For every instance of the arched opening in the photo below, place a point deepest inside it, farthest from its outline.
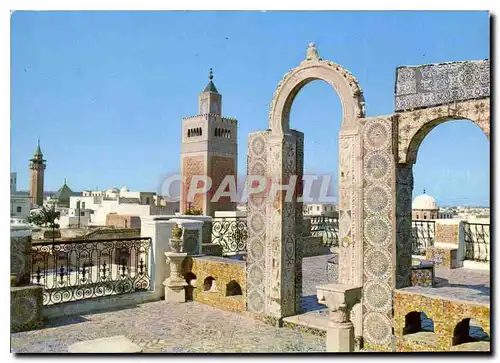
(316, 111)
(289, 161)
(416, 322)
(209, 284)
(465, 332)
(233, 289)
(451, 174)
(191, 281)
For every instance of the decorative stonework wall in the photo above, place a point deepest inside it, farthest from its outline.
(256, 224)
(442, 257)
(436, 84)
(447, 233)
(25, 308)
(20, 256)
(403, 225)
(445, 314)
(224, 270)
(191, 166)
(220, 167)
(414, 126)
(378, 232)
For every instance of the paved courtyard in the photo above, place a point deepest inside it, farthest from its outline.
(183, 328)
(197, 328)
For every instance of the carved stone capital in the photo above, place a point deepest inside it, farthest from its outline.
(340, 299)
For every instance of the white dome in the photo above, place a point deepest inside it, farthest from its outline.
(124, 189)
(425, 202)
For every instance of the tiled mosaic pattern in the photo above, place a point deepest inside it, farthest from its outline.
(378, 174)
(20, 259)
(422, 275)
(442, 257)
(160, 327)
(25, 307)
(435, 84)
(446, 233)
(224, 271)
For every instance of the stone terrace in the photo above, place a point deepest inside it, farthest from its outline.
(192, 327)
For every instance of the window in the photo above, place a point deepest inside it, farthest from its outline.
(83, 205)
(147, 200)
(317, 207)
(19, 209)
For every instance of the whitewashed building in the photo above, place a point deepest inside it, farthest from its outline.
(96, 205)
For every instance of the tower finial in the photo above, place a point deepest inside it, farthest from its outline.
(312, 52)
(424, 190)
(64, 181)
(38, 140)
(211, 75)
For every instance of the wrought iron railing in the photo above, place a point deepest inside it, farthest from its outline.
(326, 227)
(231, 234)
(422, 236)
(77, 270)
(477, 241)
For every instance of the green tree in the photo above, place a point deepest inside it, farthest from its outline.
(35, 218)
(49, 216)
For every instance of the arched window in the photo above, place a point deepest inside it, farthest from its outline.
(233, 288)
(416, 321)
(209, 284)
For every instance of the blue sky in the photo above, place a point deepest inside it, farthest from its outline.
(106, 91)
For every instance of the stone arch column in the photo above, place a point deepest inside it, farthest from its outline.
(274, 264)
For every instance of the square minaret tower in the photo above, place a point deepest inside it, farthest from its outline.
(209, 148)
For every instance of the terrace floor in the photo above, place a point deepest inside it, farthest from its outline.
(193, 327)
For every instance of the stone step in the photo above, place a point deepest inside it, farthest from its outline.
(483, 346)
(314, 322)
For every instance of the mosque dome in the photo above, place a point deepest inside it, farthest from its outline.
(424, 202)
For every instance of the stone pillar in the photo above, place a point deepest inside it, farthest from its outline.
(340, 300)
(281, 231)
(26, 299)
(351, 188)
(20, 253)
(159, 229)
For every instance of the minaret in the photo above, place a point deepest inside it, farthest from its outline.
(209, 148)
(37, 169)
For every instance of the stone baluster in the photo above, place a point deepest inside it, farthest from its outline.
(175, 284)
(339, 299)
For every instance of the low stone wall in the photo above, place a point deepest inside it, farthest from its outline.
(447, 233)
(445, 310)
(123, 221)
(96, 304)
(443, 256)
(216, 279)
